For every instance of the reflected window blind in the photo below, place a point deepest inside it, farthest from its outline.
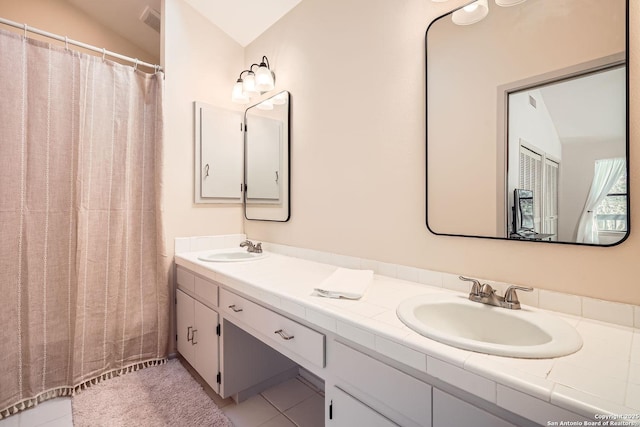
(531, 179)
(550, 197)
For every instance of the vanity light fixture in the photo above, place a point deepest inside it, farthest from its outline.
(472, 13)
(476, 11)
(254, 82)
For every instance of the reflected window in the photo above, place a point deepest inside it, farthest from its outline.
(611, 213)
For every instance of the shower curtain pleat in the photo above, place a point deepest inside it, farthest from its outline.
(84, 284)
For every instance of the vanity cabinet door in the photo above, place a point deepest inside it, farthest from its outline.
(450, 411)
(343, 410)
(197, 338)
(205, 342)
(184, 326)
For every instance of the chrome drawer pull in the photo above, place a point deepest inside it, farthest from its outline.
(193, 337)
(233, 307)
(189, 333)
(283, 335)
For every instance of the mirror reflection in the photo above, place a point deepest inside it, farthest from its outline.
(267, 159)
(527, 123)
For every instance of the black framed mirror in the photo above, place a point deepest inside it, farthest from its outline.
(533, 97)
(266, 157)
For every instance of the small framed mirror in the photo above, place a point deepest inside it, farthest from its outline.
(527, 121)
(217, 154)
(266, 157)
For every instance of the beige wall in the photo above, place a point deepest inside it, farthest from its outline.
(64, 19)
(201, 64)
(356, 72)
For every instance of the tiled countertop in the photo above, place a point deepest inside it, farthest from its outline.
(602, 378)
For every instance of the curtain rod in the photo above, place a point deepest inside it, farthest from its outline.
(67, 41)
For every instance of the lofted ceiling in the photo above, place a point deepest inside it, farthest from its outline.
(242, 20)
(589, 108)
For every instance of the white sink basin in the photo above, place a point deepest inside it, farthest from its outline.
(469, 325)
(231, 255)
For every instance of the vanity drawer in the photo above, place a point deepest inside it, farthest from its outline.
(203, 290)
(185, 279)
(206, 291)
(392, 392)
(278, 329)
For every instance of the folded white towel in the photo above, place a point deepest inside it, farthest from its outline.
(345, 283)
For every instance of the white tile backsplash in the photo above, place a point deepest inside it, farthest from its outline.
(346, 261)
(234, 240)
(181, 245)
(453, 282)
(607, 311)
(562, 303)
(368, 264)
(431, 278)
(410, 274)
(386, 269)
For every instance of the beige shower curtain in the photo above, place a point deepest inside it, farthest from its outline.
(84, 292)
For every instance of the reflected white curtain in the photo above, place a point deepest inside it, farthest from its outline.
(84, 287)
(607, 172)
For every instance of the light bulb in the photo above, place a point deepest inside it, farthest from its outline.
(264, 78)
(249, 85)
(237, 95)
(471, 13)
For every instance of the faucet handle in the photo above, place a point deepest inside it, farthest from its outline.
(510, 296)
(475, 288)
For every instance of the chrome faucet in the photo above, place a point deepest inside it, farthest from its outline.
(485, 294)
(251, 247)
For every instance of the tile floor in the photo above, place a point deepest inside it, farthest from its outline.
(294, 403)
(52, 413)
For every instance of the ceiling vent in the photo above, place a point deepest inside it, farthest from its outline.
(151, 17)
